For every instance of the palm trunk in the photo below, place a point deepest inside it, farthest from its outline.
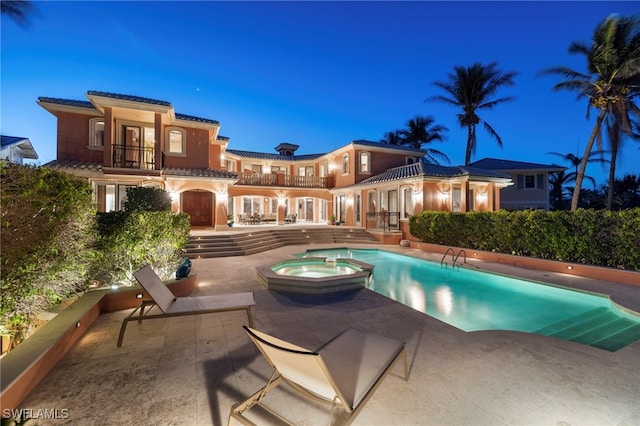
(585, 159)
(612, 176)
(471, 135)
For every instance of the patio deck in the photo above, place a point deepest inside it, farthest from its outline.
(190, 370)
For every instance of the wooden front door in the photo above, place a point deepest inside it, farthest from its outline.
(198, 205)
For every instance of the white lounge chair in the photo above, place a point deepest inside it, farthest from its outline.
(171, 306)
(344, 372)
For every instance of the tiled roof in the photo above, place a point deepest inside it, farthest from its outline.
(87, 104)
(24, 144)
(129, 98)
(498, 164)
(170, 171)
(209, 173)
(6, 141)
(424, 169)
(268, 156)
(387, 145)
(73, 164)
(194, 118)
(68, 102)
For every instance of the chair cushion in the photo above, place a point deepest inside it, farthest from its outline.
(357, 359)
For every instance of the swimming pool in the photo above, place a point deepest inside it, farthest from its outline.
(473, 300)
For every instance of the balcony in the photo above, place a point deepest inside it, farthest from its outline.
(133, 157)
(279, 179)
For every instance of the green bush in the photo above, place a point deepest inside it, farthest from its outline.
(130, 239)
(595, 237)
(48, 232)
(140, 198)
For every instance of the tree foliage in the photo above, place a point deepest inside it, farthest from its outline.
(611, 81)
(48, 231)
(472, 90)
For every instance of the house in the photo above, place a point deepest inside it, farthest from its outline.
(531, 189)
(117, 141)
(15, 149)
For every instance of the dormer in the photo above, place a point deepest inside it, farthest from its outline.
(287, 148)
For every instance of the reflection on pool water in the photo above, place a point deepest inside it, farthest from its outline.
(472, 300)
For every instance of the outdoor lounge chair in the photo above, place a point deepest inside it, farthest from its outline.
(344, 372)
(172, 306)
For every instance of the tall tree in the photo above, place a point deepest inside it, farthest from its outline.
(422, 131)
(392, 138)
(575, 161)
(18, 10)
(611, 81)
(473, 89)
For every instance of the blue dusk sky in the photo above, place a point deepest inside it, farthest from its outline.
(316, 74)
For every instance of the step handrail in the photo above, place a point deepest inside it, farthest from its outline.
(445, 255)
(458, 255)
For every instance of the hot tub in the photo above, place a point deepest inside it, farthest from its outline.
(315, 275)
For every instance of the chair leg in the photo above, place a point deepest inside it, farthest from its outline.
(250, 317)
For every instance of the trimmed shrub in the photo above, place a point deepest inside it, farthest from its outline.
(48, 231)
(130, 240)
(595, 237)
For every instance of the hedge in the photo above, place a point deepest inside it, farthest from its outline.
(595, 237)
(48, 231)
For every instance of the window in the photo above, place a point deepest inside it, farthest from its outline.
(256, 168)
(305, 171)
(408, 202)
(96, 133)
(230, 165)
(530, 181)
(176, 141)
(411, 160)
(345, 163)
(365, 162)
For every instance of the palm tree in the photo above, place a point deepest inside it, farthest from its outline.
(558, 182)
(575, 163)
(18, 10)
(472, 89)
(392, 138)
(610, 83)
(422, 131)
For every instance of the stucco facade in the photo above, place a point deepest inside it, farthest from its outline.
(117, 141)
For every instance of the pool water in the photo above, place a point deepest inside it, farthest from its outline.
(473, 300)
(315, 271)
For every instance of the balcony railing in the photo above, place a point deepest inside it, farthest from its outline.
(386, 221)
(278, 179)
(133, 157)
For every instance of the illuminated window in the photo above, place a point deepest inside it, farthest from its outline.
(96, 133)
(345, 163)
(365, 162)
(176, 141)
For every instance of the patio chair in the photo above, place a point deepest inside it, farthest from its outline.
(344, 372)
(171, 306)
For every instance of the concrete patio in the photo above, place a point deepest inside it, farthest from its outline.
(190, 370)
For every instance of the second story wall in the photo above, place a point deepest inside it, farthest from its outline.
(73, 139)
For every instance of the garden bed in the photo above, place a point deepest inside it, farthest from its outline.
(26, 365)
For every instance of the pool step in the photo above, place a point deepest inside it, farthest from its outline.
(598, 327)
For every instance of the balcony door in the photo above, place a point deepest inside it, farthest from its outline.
(198, 205)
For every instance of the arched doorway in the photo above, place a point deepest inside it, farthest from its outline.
(199, 206)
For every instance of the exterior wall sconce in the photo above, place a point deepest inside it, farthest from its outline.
(444, 196)
(482, 196)
(174, 195)
(417, 194)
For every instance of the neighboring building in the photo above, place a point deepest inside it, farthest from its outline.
(531, 189)
(117, 141)
(16, 149)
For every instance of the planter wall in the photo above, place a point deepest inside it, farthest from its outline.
(26, 365)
